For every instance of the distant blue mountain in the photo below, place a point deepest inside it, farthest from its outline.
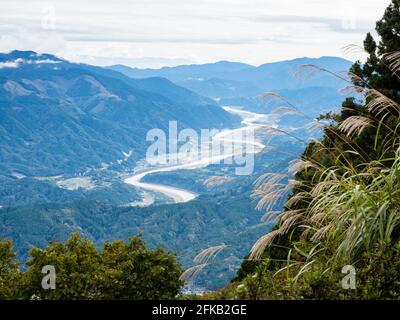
(28, 57)
(276, 76)
(185, 72)
(57, 116)
(242, 84)
(282, 75)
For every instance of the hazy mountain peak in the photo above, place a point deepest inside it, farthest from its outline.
(17, 58)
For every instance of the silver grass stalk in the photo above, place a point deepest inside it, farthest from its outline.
(209, 254)
(355, 125)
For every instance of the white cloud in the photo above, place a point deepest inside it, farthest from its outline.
(131, 31)
(44, 61)
(9, 64)
(16, 63)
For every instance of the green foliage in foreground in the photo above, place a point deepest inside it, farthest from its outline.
(377, 277)
(345, 206)
(119, 271)
(10, 274)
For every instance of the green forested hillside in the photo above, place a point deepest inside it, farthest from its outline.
(185, 229)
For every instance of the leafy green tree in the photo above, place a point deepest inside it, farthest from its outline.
(76, 263)
(119, 271)
(10, 275)
(131, 271)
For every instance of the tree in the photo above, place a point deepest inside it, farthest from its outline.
(10, 275)
(376, 72)
(340, 165)
(119, 271)
(131, 271)
(76, 263)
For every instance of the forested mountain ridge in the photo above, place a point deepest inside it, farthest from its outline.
(274, 76)
(240, 84)
(232, 83)
(57, 116)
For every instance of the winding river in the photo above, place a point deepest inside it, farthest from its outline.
(250, 121)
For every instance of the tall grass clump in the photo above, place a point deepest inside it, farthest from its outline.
(344, 205)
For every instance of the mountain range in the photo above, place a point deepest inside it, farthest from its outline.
(71, 132)
(242, 84)
(57, 116)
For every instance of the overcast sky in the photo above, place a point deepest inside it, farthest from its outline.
(169, 32)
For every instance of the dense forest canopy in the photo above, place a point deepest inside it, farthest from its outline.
(120, 270)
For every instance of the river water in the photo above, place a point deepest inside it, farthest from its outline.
(250, 123)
